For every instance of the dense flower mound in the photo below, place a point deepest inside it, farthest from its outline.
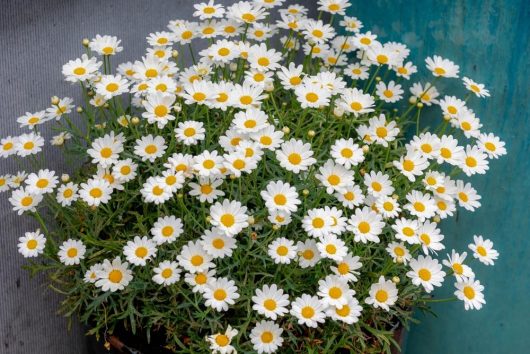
(275, 196)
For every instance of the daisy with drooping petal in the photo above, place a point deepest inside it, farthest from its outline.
(474, 161)
(22, 200)
(332, 247)
(26, 144)
(470, 291)
(478, 89)
(42, 182)
(221, 342)
(166, 273)
(82, 69)
(491, 145)
(382, 294)
(420, 205)
(347, 268)
(217, 244)
(220, 293)
(31, 244)
(405, 70)
(140, 250)
(356, 101)
(57, 110)
(71, 252)
(113, 276)
(426, 95)
(430, 237)
(455, 261)
(427, 272)
(150, 147)
(282, 250)
(166, 229)
(270, 301)
(381, 131)
(230, 216)
(483, 250)
(366, 225)
(280, 196)
(334, 177)
(346, 153)
(194, 258)
(207, 189)
(105, 45)
(295, 155)
(180, 163)
(411, 165)
(442, 67)
(399, 252)
(308, 310)
(334, 291)
(91, 275)
(308, 254)
(32, 120)
(266, 337)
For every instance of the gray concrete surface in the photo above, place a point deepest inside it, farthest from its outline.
(36, 39)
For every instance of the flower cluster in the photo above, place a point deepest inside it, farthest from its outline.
(263, 190)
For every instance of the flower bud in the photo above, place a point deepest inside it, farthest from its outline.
(251, 220)
(436, 219)
(233, 66)
(106, 105)
(366, 148)
(180, 195)
(399, 259)
(209, 219)
(175, 53)
(447, 118)
(338, 112)
(135, 120)
(311, 133)
(362, 171)
(85, 42)
(378, 78)
(413, 100)
(286, 130)
(254, 236)
(79, 109)
(55, 100)
(395, 280)
(65, 178)
(305, 192)
(419, 105)
(395, 196)
(275, 227)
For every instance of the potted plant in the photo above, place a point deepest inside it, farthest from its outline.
(266, 198)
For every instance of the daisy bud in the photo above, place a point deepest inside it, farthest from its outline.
(175, 53)
(419, 105)
(135, 120)
(436, 219)
(275, 227)
(284, 104)
(79, 109)
(93, 207)
(362, 171)
(286, 130)
(378, 78)
(98, 126)
(65, 177)
(91, 93)
(395, 280)
(254, 235)
(177, 107)
(180, 195)
(338, 112)
(366, 148)
(107, 345)
(106, 106)
(251, 220)
(269, 87)
(395, 196)
(447, 118)
(233, 66)
(399, 259)
(55, 100)
(85, 42)
(395, 110)
(208, 218)
(311, 133)
(265, 96)
(412, 100)
(305, 192)
(233, 177)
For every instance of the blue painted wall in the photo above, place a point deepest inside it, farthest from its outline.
(490, 40)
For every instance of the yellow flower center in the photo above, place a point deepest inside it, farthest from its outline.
(308, 312)
(112, 87)
(294, 158)
(28, 145)
(343, 312)
(151, 73)
(72, 252)
(446, 153)
(376, 186)
(334, 180)
(151, 149)
(346, 153)
(228, 220)
(364, 227)
(246, 100)
(469, 292)
(141, 252)
(218, 243)
(269, 304)
(335, 292)
(408, 231)
(452, 109)
(282, 251)
(201, 279)
(115, 276)
(196, 260)
(96, 192)
(208, 164)
(80, 71)
(308, 254)
(267, 337)
(222, 340)
(280, 199)
(167, 273)
(318, 223)
(219, 294)
(457, 268)
(167, 231)
(263, 61)
(400, 252)
(482, 251)
(388, 206)
(295, 80)
(424, 274)
(419, 207)
(439, 71)
(161, 111)
(157, 190)
(490, 146)
(32, 244)
(381, 132)
(356, 106)
(471, 161)
(331, 249)
(199, 96)
(383, 59)
(381, 295)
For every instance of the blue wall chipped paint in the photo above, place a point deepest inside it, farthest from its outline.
(490, 40)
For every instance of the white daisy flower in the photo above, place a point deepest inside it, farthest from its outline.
(442, 67)
(332, 247)
(246, 12)
(124, 170)
(426, 95)
(430, 237)
(312, 95)
(247, 96)
(237, 163)
(8, 146)
(139, 250)
(106, 149)
(405, 70)
(166, 229)
(470, 291)
(220, 293)
(347, 268)
(382, 294)
(64, 106)
(467, 196)
(474, 161)
(22, 200)
(180, 163)
(31, 244)
(229, 216)
(199, 281)
(173, 180)
(71, 252)
(316, 31)
(190, 132)
(399, 252)
(356, 101)
(67, 194)
(114, 276)
(221, 342)
(166, 273)
(31, 120)
(427, 272)
(468, 123)
(25, 144)
(478, 89)
(406, 230)
(346, 153)
(250, 121)
(309, 310)
(111, 85)
(270, 301)
(349, 313)
(317, 222)
(491, 145)
(42, 182)
(308, 253)
(91, 275)
(217, 244)
(452, 106)
(366, 225)
(390, 92)
(378, 184)
(282, 250)
(352, 196)
(155, 190)
(420, 205)
(334, 177)
(82, 69)
(208, 164)
(381, 131)
(411, 165)
(455, 261)
(263, 59)
(158, 107)
(334, 291)
(194, 259)
(291, 76)
(150, 147)
(295, 155)
(266, 337)
(280, 196)
(388, 207)
(483, 250)
(105, 45)
(206, 189)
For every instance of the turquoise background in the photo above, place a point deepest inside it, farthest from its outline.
(490, 41)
